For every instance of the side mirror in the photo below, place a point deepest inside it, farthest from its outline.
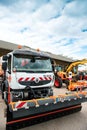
(5, 57)
(4, 66)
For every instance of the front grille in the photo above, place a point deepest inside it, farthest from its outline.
(33, 83)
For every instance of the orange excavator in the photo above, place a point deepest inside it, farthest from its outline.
(70, 74)
(79, 78)
(60, 77)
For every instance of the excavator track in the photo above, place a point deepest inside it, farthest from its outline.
(32, 120)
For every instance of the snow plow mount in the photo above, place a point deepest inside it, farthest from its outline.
(24, 111)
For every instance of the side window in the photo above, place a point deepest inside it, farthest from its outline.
(9, 64)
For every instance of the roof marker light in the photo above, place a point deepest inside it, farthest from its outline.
(19, 46)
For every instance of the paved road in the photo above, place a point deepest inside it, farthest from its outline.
(2, 119)
(76, 121)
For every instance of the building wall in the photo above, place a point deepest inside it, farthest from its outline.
(6, 47)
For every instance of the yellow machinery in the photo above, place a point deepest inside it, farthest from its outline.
(78, 85)
(60, 77)
(71, 72)
(75, 64)
(78, 78)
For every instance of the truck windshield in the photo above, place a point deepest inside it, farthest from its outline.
(33, 64)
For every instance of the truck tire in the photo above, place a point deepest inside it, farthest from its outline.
(58, 82)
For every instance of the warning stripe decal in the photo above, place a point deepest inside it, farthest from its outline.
(20, 105)
(27, 79)
(46, 78)
(40, 78)
(21, 79)
(33, 78)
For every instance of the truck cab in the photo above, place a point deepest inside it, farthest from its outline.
(27, 75)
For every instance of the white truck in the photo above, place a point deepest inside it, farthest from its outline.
(27, 90)
(27, 75)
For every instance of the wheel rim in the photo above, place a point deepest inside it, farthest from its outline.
(56, 83)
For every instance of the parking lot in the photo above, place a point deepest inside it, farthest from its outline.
(76, 121)
(2, 119)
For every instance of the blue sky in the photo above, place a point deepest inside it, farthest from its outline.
(56, 26)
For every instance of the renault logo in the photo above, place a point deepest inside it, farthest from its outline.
(37, 80)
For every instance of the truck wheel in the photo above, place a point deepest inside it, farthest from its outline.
(58, 82)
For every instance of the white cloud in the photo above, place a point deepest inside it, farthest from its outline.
(55, 26)
(76, 8)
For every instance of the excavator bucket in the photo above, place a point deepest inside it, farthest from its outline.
(25, 113)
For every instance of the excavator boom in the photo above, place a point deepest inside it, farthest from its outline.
(79, 62)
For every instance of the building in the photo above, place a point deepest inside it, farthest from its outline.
(6, 47)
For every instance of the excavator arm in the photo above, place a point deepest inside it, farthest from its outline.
(76, 63)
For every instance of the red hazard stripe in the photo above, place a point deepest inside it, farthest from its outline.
(20, 79)
(50, 78)
(20, 105)
(32, 78)
(40, 78)
(27, 79)
(45, 78)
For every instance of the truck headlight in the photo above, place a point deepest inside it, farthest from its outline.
(17, 94)
(25, 94)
